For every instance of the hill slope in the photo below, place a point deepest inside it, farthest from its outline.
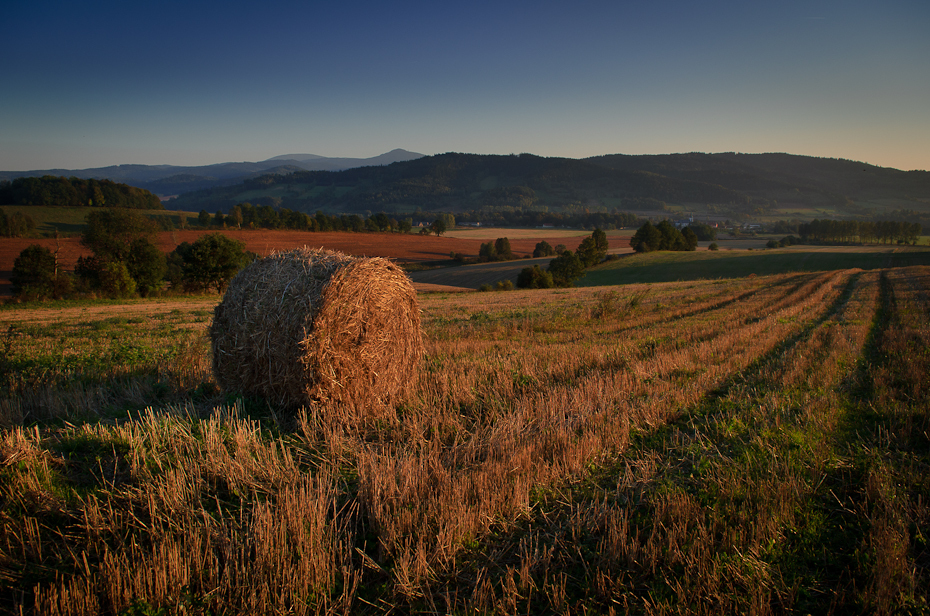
(729, 185)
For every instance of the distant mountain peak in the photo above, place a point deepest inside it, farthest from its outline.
(300, 157)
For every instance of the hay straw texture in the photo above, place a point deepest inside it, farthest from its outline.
(317, 326)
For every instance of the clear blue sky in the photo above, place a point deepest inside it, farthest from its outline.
(96, 83)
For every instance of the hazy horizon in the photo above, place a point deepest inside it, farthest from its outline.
(105, 83)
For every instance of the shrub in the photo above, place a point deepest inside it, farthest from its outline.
(504, 285)
(111, 233)
(116, 281)
(713, 246)
(502, 247)
(543, 249)
(772, 244)
(147, 266)
(209, 263)
(566, 269)
(534, 278)
(16, 224)
(34, 272)
(487, 252)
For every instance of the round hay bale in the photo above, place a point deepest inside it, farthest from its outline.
(316, 326)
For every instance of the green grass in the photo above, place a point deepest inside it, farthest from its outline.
(674, 266)
(70, 220)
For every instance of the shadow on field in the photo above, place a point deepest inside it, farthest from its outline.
(473, 276)
(680, 266)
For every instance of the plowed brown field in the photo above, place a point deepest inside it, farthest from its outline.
(405, 248)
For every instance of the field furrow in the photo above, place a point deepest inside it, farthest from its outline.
(755, 445)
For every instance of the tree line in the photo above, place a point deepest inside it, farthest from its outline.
(264, 216)
(663, 236)
(126, 262)
(16, 224)
(567, 266)
(76, 192)
(866, 232)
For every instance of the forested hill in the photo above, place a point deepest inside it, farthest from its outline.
(759, 173)
(732, 184)
(51, 190)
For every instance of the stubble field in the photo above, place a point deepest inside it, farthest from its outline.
(743, 445)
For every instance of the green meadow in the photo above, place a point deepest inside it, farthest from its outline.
(704, 264)
(70, 220)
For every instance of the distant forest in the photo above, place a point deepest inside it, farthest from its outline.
(51, 190)
(249, 216)
(736, 186)
(868, 232)
(466, 182)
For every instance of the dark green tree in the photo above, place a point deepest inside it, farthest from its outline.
(204, 218)
(671, 237)
(543, 249)
(566, 269)
(236, 215)
(487, 252)
(593, 249)
(116, 281)
(110, 233)
(646, 239)
(600, 241)
(439, 226)
(534, 278)
(16, 224)
(34, 272)
(147, 266)
(690, 238)
(209, 263)
(502, 247)
(703, 231)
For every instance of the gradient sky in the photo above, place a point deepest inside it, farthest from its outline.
(87, 84)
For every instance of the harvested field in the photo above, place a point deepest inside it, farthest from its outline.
(754, 445)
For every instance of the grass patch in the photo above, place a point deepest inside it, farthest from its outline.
(681, 266)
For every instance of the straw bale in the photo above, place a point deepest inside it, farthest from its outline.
(312, 325)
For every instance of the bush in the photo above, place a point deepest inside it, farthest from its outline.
(111, 233)
(713, 246)
(566, 269)
(534, 278)
(543, 249)
(503, 285)
(147, 266)
(772, 244)
(34, 273)
(502, 247)
(115, 280)
(16, 224)
(209, 263)
(485, 288)
(487, 252)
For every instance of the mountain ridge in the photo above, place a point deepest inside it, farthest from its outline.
(157, 178)
(728, 185)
